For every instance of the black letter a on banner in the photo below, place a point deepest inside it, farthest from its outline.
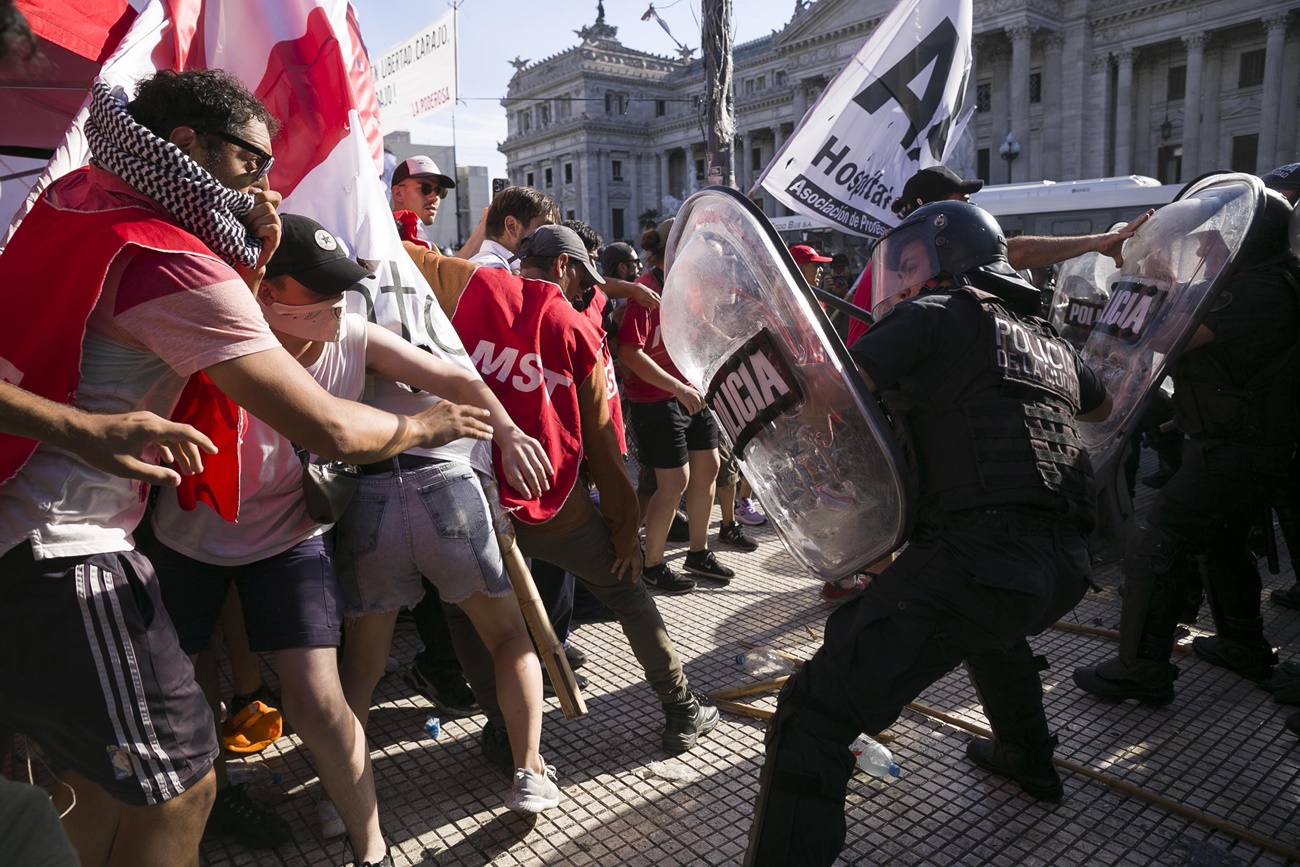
(939, 46)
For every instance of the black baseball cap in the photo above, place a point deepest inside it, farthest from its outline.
(551, 241)
(932, 184)
(616, 254)
(1285, 177)
(311, 255)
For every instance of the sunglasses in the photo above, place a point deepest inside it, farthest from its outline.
(428, 189)
(264, 160)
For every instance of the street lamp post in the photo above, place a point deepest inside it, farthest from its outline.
(1009, 150)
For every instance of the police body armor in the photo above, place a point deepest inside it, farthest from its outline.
(1005, 436)
(743, 327)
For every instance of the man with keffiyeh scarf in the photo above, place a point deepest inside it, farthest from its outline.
(173, 221)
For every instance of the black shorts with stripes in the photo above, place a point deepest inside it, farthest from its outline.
(91, 670)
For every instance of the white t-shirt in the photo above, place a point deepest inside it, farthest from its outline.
(272, 513)
(160, 318)
(493, 255)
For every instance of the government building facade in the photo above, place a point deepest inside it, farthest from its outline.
(1083, 88)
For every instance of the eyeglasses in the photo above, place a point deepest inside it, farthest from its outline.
(264, 160)
(428, 189)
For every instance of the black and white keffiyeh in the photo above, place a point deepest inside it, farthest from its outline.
(160, 170)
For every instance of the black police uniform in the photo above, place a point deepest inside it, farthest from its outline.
(1235, 398)
(999, 554)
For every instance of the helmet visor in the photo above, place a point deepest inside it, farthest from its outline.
(901, 263)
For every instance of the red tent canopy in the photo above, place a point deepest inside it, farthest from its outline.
(39, 99)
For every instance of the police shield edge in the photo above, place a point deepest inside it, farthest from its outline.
(1174, 268)
(1082, 290)
(744, 329)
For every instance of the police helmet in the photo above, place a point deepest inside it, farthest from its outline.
(948, 239)
(1269, 238)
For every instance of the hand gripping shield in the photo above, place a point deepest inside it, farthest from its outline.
(1082, 290)
(743, 327)
(1174, 268)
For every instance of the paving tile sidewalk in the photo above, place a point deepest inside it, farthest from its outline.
(1220, 748)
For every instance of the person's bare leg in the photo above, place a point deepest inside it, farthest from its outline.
(660, 510)
(205, 672)
(245, 665)
(703, 479)
(313, 697)
(115, 834)
(500, 624)
(365, 653)
(727, 503)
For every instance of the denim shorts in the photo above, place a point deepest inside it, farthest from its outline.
(434, 521)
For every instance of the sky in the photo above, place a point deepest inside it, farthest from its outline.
(493, 32)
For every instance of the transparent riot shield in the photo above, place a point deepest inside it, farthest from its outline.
(1082, 290)
(743, 327)
(1174, 267)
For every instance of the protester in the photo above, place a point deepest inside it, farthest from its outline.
(180, 173)
(514, 212)
(418, 186)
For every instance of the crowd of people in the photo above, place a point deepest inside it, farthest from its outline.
(247, 458)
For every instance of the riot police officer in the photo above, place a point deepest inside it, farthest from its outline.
(1235, 398)
(990, 395)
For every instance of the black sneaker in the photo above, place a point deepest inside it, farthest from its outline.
(680, 529)
(577, 658)
(1033, 772)
(1288, 598)
(447, 691)
(386, 862)
(663, 578)
(704, 564)
(734, 535)
(687, 721)
(494, 741)
(253, 825)
(1251, 662)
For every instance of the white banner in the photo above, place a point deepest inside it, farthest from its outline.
(896, 107)
(417, 76)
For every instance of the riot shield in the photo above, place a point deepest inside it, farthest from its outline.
(1174, 267)
(1082, 290)
(744, 328)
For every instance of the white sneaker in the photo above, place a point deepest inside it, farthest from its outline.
(533, 792)
(331, 823)
(748, 514)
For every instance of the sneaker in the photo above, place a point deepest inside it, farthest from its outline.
(1288, 598)
(833, 591)
(494, 742)
(387, 861)
(253, 825)
(734, 535)
(1152, 683)
(577, 658)
(548, 689)
(679, 530)
(447, 691)
(533, 792)
(328, 820)
(1033, 772)
(704, 564)
(663, 578)
(748, 514)
(1251, 662)
(687, 721)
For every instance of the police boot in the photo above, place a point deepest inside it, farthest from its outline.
(799, 811)
(1240, 647)
(1148, 679)
(687, 721)
(1008, 687)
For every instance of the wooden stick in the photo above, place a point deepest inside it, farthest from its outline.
(548, 644)
(1180, 809)
(742, 709)
(750, 689)
(1082, 629)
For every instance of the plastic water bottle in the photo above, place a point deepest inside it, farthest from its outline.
(873, 757)
(764, 662)
(433, 727)
(256, 774)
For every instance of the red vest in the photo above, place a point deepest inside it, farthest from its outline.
(51, 275)
(534, 351)
(595, 313)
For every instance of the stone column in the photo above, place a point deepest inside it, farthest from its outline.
(601, 204)
(664, 180)
(1097, 129)
(800, 100)
(1211, 149)
(1124, 112)
(1271, 104)
(996, 55)
(1053, 44)
(1021, 36)
(1192, 104)
(740, 159)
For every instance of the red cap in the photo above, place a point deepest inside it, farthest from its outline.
(803, 253)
